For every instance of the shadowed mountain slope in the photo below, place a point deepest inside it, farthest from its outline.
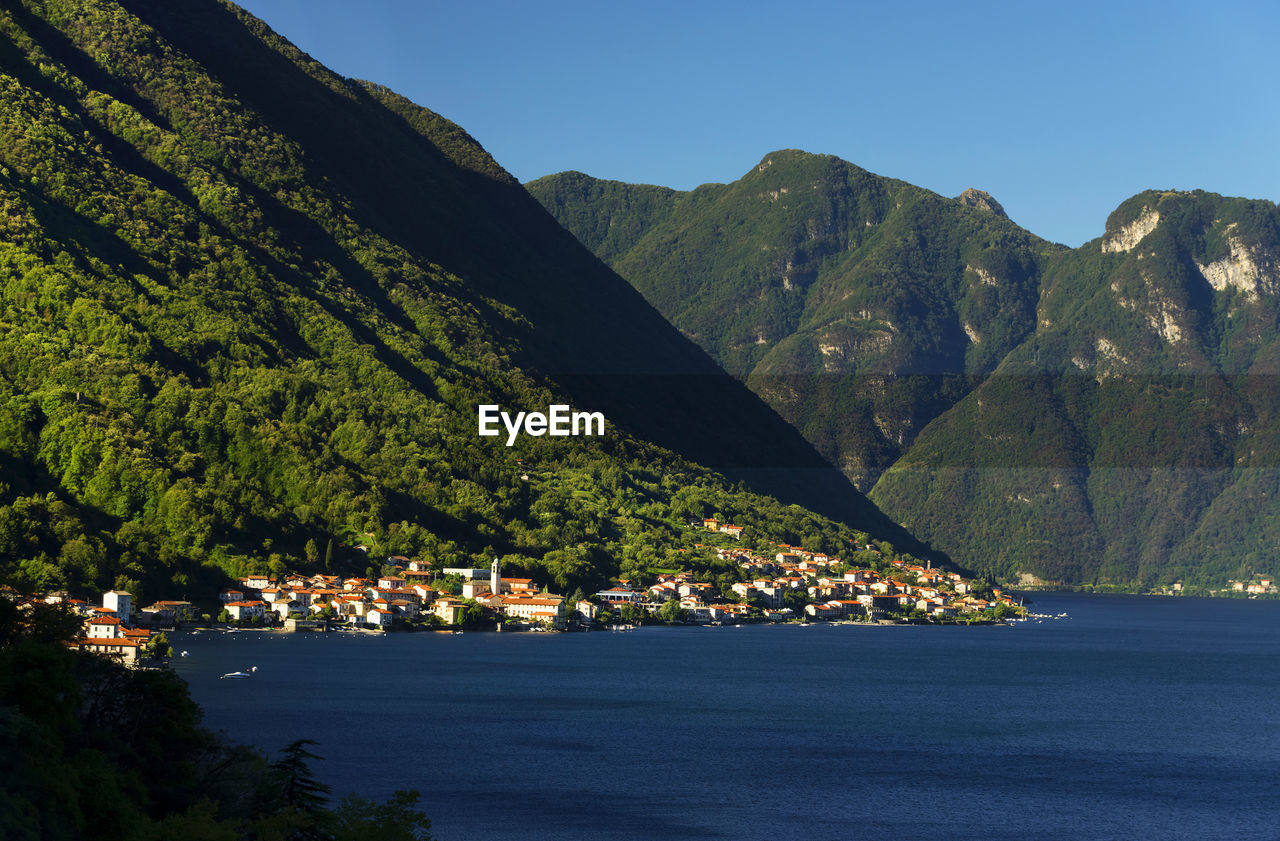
(250, 309)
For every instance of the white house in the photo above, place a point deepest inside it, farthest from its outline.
(246, 609)
(119, 601)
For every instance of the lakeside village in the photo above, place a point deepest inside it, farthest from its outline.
(791, 585)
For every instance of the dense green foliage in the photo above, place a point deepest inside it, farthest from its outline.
(91, 747)
(1103, 415)
(248, 309)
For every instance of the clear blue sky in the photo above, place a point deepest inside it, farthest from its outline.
(1060, 110)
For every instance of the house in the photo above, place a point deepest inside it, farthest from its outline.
(698, 612)
(822, 611)
(732, 530)
(379, 617)
(104, 627)
(256, 582)
(700, 589)
(350, 607)
(393, 593)
(662, 592)
(526, 607)
(771, 594)
(618, 596)
(406, 608)
(877, 604)
(449, 609)
(242, 610)
(119, 601)
(847, 607)
(164, 612)
(130, 651)
(284, 609)
(467, 572)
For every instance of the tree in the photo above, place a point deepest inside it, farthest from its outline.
(358, 819)
(294, 806)
(158, 646)
(298, 786)
(39, 622)
(672, 612)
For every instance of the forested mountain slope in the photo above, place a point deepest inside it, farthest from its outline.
(250, 308)
(859, 306)
(1099, 415)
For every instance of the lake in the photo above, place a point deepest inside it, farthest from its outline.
(1136, 717)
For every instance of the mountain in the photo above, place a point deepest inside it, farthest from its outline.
(250, 309)
(1099, 415)
(849, 301)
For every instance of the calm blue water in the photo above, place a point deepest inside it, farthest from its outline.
(1136, 718)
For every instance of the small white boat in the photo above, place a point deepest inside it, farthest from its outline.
(236, 676)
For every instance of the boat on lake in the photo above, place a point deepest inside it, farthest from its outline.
(239, 675)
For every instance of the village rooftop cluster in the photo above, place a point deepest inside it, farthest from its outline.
(108, 629)
(791, 584)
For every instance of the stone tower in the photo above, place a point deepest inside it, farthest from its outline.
(495, 578)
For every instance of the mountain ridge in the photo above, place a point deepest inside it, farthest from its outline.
(968, 350)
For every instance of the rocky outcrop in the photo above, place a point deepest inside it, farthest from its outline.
(1244, 268)
(1127, 236)
(981, 200)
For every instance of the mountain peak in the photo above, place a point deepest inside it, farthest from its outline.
(982, 200)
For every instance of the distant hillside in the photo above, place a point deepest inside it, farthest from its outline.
(1100, 415)
(250, 308)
